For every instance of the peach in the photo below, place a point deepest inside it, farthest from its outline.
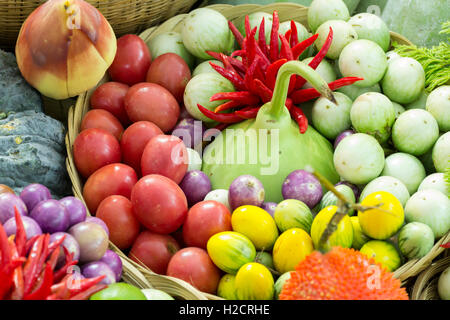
(65, 47)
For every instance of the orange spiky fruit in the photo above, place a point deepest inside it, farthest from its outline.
(341, 274)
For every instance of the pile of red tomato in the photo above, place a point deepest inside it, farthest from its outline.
(131, 167)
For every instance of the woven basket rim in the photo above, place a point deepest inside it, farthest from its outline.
(408, 270)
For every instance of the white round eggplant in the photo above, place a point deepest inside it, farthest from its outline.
(365, 59)
(389, 184)
(430, 207)
(415, 132)
(359, 158)
(371, 27)
(331, 119)
(324, 10)
(343, 34)
(405, 167)
(441, 153)
(206, 29)
(404, 80)
(373, 113)
(438, 104)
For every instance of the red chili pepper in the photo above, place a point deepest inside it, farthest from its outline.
(241, 97)
(287, 35)
(299, 48)
(262, 39)
(213, 54)
(446, 245)
(237, 35)
(55, 244)
(89, 292)
(21, 237)
(317, 58)
(294, 34)
(247, 26)
(250, 74)
(82, 284)
(272, 71)
(248, 113)
(238, 66)
(219, 117)
(273, 51)
(264, 93)
(43, 288)
(54, 257)
(30, 243)
(234, 78)
(304, 95)
(69, 262)
(30, 271)
(286, 52)
(299, 117)
(18, 290)
(227, 106)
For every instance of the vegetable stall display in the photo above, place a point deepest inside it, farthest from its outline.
(149, 151)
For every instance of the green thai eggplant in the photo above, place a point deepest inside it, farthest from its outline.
(271, 146)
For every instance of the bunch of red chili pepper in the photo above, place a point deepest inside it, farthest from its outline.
(27, 269)
(255, 74)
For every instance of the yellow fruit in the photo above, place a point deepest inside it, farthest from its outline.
(254, 282)
(382, 252)
(226, 288)
(359, 237)
(256, 224)
(291, 247)
(230, 250)
(384, 221)
(342, 237)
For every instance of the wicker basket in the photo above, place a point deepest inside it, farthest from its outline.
(286, 11)
(125, 16)
(425, 287)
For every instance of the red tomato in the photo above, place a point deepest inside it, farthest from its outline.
(95, 148)
(194, 266)
(152, 102)
(123, 226)
(203, 220)
(132, 60)
(134, 140)
(172, 72)
(102, 119)
(159, 204)
(165, 155)
(154, 250)
(113, 179)
(110, 96)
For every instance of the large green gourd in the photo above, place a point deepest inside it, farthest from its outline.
(272, 140)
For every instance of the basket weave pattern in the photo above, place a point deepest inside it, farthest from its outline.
(125, 16)
(286, 11)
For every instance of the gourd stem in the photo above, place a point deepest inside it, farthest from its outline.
(282, 84)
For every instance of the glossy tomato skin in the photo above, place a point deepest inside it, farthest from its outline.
(95, 148)
(152, 102)
(194, 266)
(132, 60)
(117, 213)
(159, 204)
(203, 220)
(154, 250)
(134, 140)
(165, 155)
(102, 119)
(172, 72)
(113, 179)
(110, 96)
